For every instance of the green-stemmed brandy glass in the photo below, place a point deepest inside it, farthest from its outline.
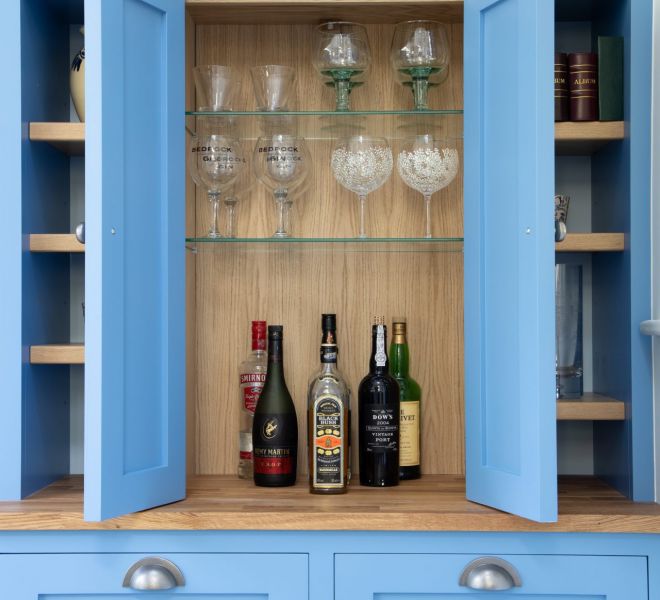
(420, 56)
(342, 57)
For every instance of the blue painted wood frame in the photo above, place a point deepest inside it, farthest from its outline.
(511, 460)
(135, 276)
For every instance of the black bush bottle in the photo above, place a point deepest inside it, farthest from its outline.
(378, 407)
(275, 427)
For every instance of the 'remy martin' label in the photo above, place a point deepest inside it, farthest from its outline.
(328, 420)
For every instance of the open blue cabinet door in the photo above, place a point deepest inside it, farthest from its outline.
(135, 272)
(511, 461)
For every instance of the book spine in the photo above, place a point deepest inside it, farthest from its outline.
(610, 78)
(562, 110)
(583, 85)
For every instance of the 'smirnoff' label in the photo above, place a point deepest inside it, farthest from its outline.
(251, 386)
(328, 420)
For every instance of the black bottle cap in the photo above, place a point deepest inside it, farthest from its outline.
(275, 332)
(329, 322)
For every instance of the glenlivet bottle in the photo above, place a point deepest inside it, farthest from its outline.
(410, 396)
(378, 399)
(252, 375)
(275, 427)
(328, 405)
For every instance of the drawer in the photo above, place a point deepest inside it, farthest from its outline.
(436, 576)
(205, 576)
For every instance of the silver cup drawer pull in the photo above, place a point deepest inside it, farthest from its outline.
(490, 574)
(153, 573)
(650, 327)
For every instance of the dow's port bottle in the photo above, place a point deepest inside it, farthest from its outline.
(275, 427)
(410, 395)
(252, 376)
(328, 405)
(379, 408)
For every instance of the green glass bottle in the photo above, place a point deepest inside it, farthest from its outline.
(275, 427)
(411, 399)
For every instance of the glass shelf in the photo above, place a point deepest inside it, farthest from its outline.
(330, 125)
(339, 245)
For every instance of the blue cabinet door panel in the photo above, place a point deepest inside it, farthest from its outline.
(206, 576)
(436, 576)
(509, 256)
(135, 273)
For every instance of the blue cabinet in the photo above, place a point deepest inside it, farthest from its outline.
(202, 576)
(444, 576)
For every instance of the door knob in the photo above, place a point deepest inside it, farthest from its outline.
(153, 573)
(490, 574)
(650, 327)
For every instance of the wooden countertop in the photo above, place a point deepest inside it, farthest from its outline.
(434, 503)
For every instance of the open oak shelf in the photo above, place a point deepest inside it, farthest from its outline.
(582, 138)
(591, 407)
(432, 503)
(57, 354)
(55, 242)
(592, 242)
(66, 137)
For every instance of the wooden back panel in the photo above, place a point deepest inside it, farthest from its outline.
(293, 286)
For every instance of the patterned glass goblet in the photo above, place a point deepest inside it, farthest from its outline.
(218, 160)
(362, 164)
(428, 165)
(420, 56)
(342, 56)
(282, 163)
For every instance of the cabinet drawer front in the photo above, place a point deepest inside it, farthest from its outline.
(408, 576)
(207, 576)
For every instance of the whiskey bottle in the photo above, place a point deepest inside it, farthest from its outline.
(378, 400)
(328, 406)
(275, 427)
(410, 396)
(252, 376)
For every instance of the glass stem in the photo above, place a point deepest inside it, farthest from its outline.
(230, 205)
(343, 90)
(363, 202)
(427, 202)
(280, 199)
(420, 88)
(214, 197)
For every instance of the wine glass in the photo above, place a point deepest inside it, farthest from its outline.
(342, 56)
(427, 165)
(218, 159)
(282, 163)
(420, 56)
(362, 164)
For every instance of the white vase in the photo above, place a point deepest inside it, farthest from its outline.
(77, 82)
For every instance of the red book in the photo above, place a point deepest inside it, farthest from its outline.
(562, 109)
(583, 84)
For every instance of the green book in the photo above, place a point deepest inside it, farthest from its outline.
(610, 78)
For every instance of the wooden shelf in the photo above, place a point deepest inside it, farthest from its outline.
(66, 137)
(318, 11)
(591, 407)
(432, 503)
(55, 242)
(57, 354)
(586, 138)
(592, 242)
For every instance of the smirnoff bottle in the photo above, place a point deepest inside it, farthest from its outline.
(252, 374)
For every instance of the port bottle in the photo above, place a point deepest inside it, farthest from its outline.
(379, 408)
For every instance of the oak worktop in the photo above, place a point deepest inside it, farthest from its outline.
(434, 503)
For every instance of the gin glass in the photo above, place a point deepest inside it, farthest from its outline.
(282, 163)
(342, 56)
(218, 159)
(420, 56)
(362, 164)
(216, 87)
(427, 165)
